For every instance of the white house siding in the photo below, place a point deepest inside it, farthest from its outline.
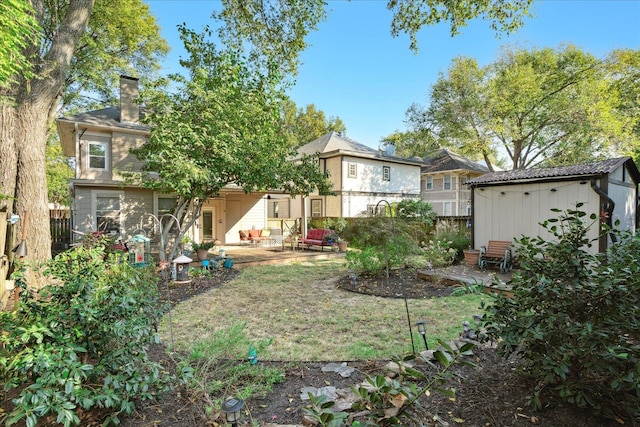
(505, 212)
(243, 212)
(623, 192)
(122, 159)
(85, 172)
(404, 178)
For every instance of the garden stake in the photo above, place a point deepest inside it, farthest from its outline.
(402, 281)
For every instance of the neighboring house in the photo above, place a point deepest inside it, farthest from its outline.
(99, 141)
(361, 177)
(507, 205)
(443, 182)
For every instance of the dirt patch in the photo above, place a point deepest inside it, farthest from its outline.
(493, 394)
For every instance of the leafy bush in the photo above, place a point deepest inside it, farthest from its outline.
(80, 344)
(439, 253)
(574, 317)
(456, 238)
(416, 209)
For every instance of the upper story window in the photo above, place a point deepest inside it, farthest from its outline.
(463, 180)
(98, 155)
(353, 170)
(428, 183)
(447, 182)
(386, 173)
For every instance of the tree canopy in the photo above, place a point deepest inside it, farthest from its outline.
(530, 107)
(303, 125)
(220, 126)
(18, 31)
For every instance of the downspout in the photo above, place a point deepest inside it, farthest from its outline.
(607, 206)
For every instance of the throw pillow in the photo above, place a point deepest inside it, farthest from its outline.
(265, 232)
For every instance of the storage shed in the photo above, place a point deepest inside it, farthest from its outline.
(509, 204)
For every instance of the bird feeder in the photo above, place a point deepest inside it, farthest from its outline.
(181, 268)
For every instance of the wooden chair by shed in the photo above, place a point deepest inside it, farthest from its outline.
(497, 252)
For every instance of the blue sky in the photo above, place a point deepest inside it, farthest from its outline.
(355, 70)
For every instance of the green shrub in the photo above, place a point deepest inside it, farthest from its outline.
(80, 344)
(574, 317)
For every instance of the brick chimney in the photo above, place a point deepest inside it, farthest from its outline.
(129, 108)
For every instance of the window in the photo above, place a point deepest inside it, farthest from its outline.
(353, 170)
(108, 213)
(166, 206)
(447, 209)
(316, 208)
(463, 181)
(428, 183)
(386, 173)
(447, 182)
(98, 155)
(375, 210)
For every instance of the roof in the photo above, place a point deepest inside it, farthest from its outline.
(561, 172)
(106, 118)
(445, 160)
(334, 144)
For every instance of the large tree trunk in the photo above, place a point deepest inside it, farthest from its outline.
(24, 124)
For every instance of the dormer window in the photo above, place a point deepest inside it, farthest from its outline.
(98, 155)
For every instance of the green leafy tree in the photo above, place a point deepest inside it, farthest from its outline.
(58, 174)
(18, 31)
(83, 47)
(420, 143)
(303, 125)
(540, 107)
(623, 67)
(222, 125)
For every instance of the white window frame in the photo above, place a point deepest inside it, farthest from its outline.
(386, 173)
(352, 170)
(446, 209)
(95, 194)
(447, 180)
(107, 159)
(316, 208)
(428, 182)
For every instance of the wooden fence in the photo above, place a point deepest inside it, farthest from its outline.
(60, 234)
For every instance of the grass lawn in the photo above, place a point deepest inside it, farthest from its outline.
(298, 308)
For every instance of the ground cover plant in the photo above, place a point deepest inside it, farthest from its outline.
(574, 317)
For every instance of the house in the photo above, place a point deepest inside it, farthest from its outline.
(443, 182)
(99, 142)
(507, 205)
(360, 176)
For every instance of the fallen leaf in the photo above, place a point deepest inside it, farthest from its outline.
(534, 420)
(458, 420)
(398, 400)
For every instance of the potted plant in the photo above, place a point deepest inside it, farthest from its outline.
(202, 249)
(471, 256)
